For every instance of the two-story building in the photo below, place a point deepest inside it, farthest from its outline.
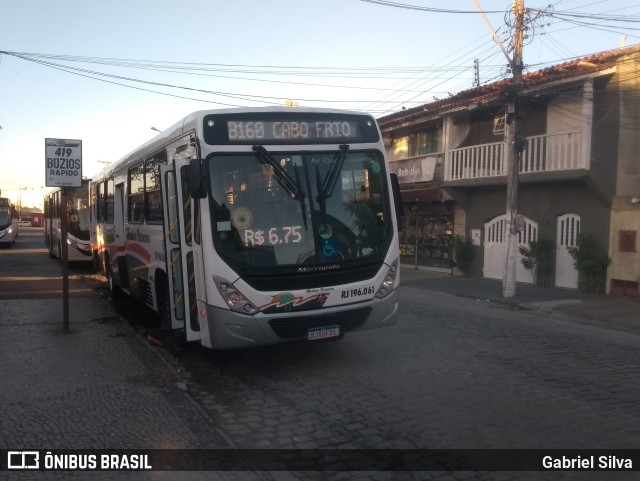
(579, 172)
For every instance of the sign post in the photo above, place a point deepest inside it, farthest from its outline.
(63, 168)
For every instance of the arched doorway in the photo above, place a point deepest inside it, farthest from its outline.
(495, 247)
(568, 230)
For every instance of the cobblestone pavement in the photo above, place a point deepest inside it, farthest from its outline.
(100, 386)
(451, 374)
(455, 372)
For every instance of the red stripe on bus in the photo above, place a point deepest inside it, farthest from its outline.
(138, 249)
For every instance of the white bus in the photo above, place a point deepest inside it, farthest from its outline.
(79, 247)
(249, 227)
(8, 222)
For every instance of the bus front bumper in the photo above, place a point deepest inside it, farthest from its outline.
(226, 329)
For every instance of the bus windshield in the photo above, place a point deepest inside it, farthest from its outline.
(284, 209)
(5, 216)
(78, 212)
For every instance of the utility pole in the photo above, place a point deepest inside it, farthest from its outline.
(513, 150)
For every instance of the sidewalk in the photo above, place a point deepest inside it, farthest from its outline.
(596, 309)
(100, 386)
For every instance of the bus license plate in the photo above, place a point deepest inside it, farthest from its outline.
(323, 333)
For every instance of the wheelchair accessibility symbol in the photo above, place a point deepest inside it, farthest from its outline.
(329, 247)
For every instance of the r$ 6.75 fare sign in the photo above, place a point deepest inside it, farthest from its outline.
(63, 166)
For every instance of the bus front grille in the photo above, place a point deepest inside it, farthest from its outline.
(297, 327)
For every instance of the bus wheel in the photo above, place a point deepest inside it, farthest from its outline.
(96, 261)
(116, 291)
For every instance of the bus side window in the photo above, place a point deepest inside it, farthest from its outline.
(100, 201)
(153, 199)
(136, 194)
(108, 201)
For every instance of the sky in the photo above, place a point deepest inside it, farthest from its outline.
(107, 73)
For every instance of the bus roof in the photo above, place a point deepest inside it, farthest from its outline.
(192, 120)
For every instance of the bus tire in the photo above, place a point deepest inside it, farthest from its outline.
(95, 259)
(116, 291)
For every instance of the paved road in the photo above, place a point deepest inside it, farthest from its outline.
(28, 273)
(453, 373)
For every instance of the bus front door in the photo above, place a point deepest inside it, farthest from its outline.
(178, 229)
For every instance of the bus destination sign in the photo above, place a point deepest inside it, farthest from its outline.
(258, 130)
(289, 128)
(63, 163)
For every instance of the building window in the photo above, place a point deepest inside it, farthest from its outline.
(423, 143)
(627, 241)
(498, 125)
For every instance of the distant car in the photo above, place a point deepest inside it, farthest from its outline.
(25, 223)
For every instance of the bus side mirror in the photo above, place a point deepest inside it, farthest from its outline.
(198, 178)
(397, 199)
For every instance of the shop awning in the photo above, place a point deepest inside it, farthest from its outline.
(423, 195)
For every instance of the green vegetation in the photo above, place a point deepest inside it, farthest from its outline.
(463, 254)
(537, 257)
(591, 260)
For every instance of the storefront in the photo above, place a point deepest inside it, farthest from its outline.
(426, 237)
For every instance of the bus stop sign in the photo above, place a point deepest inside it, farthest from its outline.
(63, 165)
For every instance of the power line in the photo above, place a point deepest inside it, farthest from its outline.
(424, 9)
(92, 74)
(412, 85)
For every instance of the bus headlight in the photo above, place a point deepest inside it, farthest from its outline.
(386, 287)
(234, 299)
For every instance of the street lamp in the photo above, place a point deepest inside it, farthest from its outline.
(153, 128)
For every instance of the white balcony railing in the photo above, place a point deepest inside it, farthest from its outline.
(543, 153)
(484, 160)
(553, 152)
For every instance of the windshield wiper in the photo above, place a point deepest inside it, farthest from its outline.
(282, 177)
(331, 179)
(329, 183)
(287, 183)
(303, 206)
